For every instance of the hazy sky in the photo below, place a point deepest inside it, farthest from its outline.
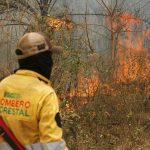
(76, 6)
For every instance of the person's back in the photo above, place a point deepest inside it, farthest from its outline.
(29, 107)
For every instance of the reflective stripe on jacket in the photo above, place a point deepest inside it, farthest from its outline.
(38, 146)
(29, 106)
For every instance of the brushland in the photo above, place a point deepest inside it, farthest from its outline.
(103, 109)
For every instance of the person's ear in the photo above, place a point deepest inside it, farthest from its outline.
(18, 52)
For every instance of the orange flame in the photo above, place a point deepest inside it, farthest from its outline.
(86, 85)
(57, 23)
(132, 58)
(131, 52)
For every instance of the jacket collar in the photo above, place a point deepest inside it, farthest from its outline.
(33, 74)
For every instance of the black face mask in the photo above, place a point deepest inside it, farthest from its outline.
(41, 63)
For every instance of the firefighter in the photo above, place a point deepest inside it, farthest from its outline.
(28, 104)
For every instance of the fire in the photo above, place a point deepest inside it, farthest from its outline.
(132, 56)
(132, 63)
(56, 23)
(87, 86)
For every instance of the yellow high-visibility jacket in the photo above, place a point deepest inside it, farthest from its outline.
(29, 106)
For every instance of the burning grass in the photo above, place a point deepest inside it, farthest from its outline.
(110, 122)
(101, 112)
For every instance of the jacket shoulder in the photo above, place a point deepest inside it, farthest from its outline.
(27, 83)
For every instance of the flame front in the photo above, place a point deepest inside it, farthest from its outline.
(132, 56)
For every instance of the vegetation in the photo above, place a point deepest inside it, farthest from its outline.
(111, 116)
(104, 95)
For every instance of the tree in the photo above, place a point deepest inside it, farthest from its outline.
(18, 17)
(122, 23)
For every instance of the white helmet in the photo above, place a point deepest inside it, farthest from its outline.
(34, 43)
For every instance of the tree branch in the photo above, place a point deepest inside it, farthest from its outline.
(114, 9)
(86, 29)
(109, 11)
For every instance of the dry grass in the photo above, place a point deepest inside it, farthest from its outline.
(109, 123)
(116, 117)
